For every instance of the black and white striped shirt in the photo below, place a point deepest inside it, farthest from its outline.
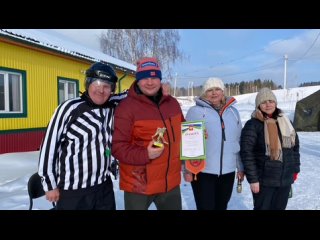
(76, 150)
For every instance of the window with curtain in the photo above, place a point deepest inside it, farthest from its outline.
(67, 89)
(10, 92)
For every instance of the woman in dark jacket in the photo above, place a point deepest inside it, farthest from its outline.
(270, 153)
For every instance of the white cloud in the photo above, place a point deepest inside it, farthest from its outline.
(297, 46)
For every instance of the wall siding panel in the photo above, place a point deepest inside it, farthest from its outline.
(21, 142)
(42, 69)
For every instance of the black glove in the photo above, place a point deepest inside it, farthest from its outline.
(114, 168)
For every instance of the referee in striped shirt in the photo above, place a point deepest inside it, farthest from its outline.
(75, 154)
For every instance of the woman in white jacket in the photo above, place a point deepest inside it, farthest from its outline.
(213, 187)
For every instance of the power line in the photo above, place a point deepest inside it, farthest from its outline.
(306, 52)
(273, 64)
(236, 59)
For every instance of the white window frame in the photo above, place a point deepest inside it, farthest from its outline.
(6, 92)
(66, 89)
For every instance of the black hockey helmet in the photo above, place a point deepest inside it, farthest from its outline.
(102, 72)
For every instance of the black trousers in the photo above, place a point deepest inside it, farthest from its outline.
(100, 197)
(213, 192)
(271, 198)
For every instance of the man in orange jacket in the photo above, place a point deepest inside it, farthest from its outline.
(148, 173)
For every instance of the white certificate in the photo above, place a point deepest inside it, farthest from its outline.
(192, 140)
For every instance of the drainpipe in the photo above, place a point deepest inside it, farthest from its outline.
(119, 87)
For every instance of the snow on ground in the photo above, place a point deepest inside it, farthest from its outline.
(16, 168)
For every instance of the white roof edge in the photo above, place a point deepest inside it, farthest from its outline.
(64, 46)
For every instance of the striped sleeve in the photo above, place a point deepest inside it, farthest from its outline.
(116, 98)
(47, 168)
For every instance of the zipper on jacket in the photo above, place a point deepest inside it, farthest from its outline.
(223, 139)
(173, 136)
(223, 135)
(169, 145)
(221, 156)
(223, 129)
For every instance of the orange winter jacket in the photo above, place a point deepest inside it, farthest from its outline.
(136, 121)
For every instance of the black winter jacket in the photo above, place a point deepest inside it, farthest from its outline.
(260, 168)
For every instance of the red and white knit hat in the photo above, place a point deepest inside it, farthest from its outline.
(148, 67)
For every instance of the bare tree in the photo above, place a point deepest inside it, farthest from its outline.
(131, 44)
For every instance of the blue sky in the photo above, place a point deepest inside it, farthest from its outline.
(237, 55)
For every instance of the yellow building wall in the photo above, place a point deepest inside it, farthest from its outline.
(42, 72)
(125, 83)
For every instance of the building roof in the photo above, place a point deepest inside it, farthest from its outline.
(64, 46)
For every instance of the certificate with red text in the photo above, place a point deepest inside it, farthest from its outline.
(192, 140)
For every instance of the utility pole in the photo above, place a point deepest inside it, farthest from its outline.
(191, 90)
(285, 72)
(175, 85)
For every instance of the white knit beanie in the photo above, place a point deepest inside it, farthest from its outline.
(212, 83)
(265, 94)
